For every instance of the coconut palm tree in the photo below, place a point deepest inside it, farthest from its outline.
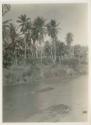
(13, 32)
(52, 29)
(25, 27)
(38, 31)
(69, 39)
(69, 48)
(13, 35)
(60, 46)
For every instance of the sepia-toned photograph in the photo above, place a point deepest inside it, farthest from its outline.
(45, 62)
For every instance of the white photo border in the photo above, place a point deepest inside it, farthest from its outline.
(89, 45)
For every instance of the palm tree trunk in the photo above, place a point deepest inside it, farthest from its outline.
(15, 57)
(55, 53)
(42, 52)
(25, 53)
(51, 54)
(54, 46)
(16, 60)
(36, 54)
(41, 56)
(59, 59)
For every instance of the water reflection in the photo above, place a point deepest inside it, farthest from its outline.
(19, 102)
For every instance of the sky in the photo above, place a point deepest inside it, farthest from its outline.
(70, 17)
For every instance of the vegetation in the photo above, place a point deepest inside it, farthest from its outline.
(24, 42)
(69, 38)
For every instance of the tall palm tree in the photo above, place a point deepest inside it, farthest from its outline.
(52, 29)
(38, 31)
(13, 35)
(13, 32)
(60, 50)
(69, 38)
(25, 26)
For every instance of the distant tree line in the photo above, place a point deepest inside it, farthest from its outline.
(25, 41)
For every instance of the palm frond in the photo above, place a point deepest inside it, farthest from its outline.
(7, 21)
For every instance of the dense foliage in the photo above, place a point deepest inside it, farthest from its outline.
(25, 42)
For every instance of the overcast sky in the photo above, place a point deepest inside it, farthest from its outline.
(72, 17)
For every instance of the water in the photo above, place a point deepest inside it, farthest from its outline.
(24, 102)
(19, 102)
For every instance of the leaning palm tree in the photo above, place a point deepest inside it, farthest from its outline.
(5, 36)
(13, 35)
(11, 46)
(5, 23)
(52, 29)
(5, 29)
(25, 26)
(38, 31)
(9, 42)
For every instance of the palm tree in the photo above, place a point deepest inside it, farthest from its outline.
(5, 8)
(5, 33)
(9, 41)
(5, 30)
(47, 49)
(69, 39)
(25, 26)
(5, 23)
(60, 50)
(52, 28)
(13, 32)
(13, 35)
(38, 31)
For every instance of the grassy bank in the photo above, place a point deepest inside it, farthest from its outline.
(34, 74)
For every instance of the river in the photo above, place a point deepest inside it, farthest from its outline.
(21, 103)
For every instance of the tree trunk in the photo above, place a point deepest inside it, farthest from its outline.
(25, 51)
(15, 56)
(41, 51)
(41, 56)
(51, 54)
(54, 46)
(36, 54)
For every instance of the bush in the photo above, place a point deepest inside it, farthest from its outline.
(73, 62)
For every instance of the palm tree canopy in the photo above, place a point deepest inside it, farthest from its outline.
(13, 33)
(52, 28)
(69, 38)
(38, 29)
(24, 23)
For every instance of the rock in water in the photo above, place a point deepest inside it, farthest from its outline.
(59, 109)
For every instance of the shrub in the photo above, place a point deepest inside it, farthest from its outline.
(73, 62)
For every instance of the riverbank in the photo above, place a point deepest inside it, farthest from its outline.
(34, 74)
